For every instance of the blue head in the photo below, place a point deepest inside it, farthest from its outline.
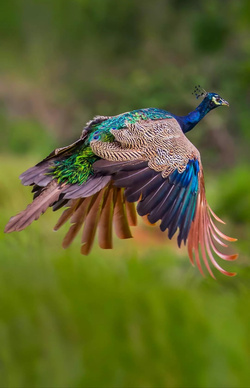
(210, 101)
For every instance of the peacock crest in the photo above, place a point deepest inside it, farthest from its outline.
(199, 92)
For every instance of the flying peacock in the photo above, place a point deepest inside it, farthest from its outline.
(140, 157)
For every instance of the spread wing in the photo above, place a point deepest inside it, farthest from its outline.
(95, 204)
(161, 170)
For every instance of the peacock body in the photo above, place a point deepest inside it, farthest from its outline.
(142, 157)
(79, 166)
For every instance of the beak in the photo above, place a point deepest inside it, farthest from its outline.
(224, 102)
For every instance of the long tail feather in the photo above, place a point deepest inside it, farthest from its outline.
(202, 235)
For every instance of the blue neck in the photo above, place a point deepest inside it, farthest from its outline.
(191, 119)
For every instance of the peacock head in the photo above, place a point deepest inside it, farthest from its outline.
(210, 100)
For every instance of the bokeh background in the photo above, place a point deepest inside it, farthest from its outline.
(140, 315)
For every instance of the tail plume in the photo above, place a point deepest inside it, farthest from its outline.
(203, 234)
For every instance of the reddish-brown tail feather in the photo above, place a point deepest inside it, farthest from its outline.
(203, 235)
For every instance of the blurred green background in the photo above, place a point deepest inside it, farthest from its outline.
(141, 315)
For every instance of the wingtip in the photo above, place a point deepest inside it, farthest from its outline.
(85, 249)
(7, 229)
(13, 225)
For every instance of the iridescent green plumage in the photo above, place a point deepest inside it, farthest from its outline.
(75, 168)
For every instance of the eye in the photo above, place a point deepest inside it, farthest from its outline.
(217, 99)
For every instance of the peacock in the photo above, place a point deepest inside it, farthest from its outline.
(139, 158)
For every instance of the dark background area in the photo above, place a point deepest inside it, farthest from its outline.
(139, 316)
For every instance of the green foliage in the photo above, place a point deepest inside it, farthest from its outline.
(235, 189)
(210, 33)
(23, 135)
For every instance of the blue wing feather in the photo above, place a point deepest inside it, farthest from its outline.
(184, 207)
(172, 200)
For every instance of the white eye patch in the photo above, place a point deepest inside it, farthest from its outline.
(216, 100)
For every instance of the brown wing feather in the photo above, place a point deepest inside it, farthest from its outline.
(105, 222)
(131, 213)
(99, 210)
(120, 220)
(91, 222)
(34, 210)
(72, 205)
(77, 220)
